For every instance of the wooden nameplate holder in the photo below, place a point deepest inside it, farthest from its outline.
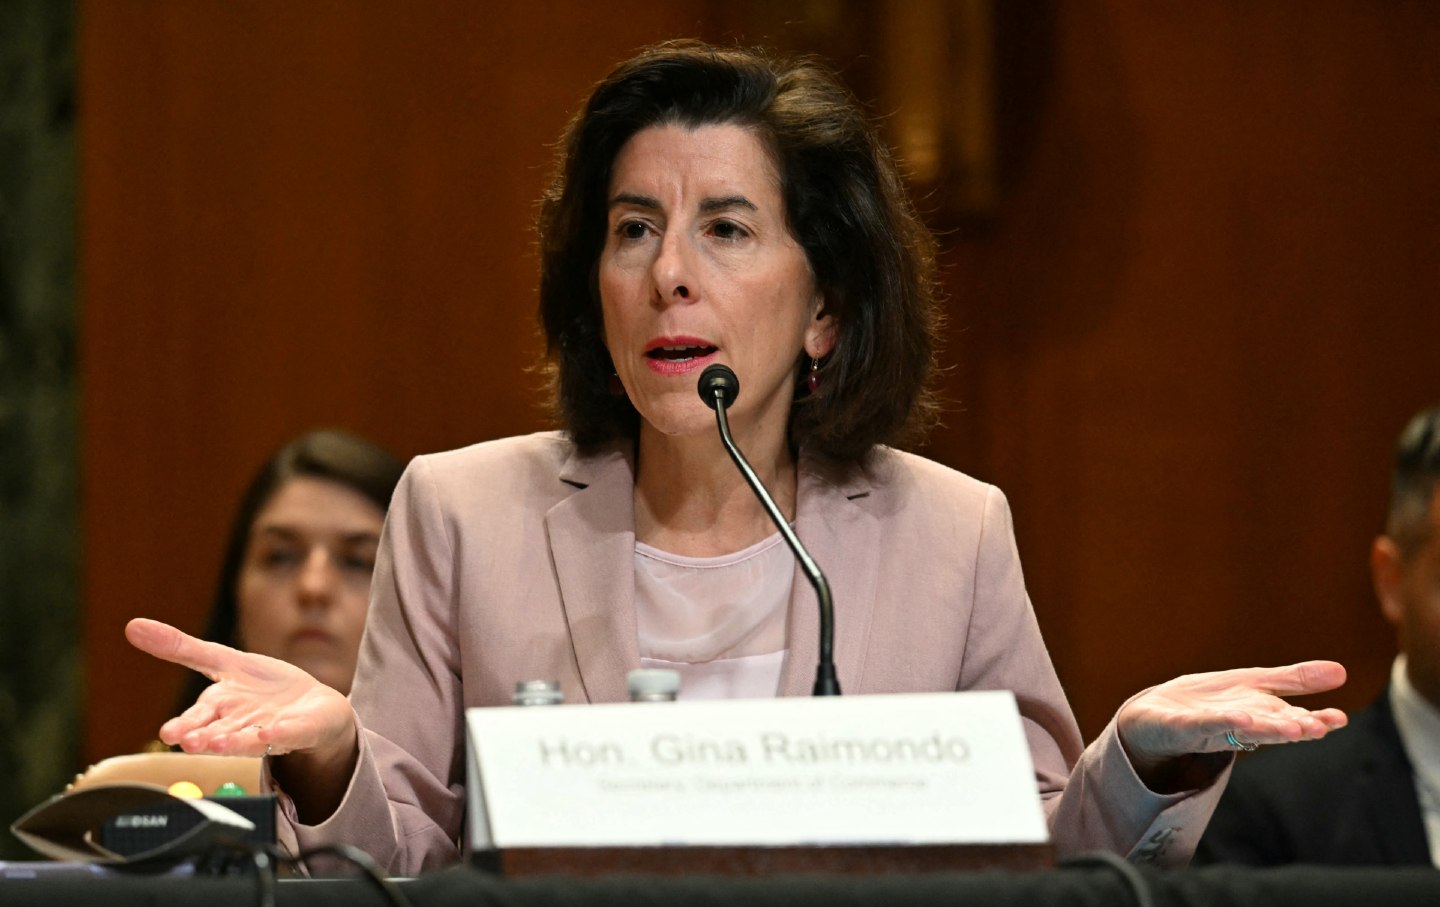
(764, 861)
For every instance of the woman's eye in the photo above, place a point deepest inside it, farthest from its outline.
(631, 229)
(279, 557)
(724, 229)
(359, 563)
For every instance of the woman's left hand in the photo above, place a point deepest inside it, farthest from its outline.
(1192, 714)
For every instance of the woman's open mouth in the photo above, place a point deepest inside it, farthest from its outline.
(674, 356)
(680, 353)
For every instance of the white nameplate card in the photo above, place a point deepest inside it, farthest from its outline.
(930, 768)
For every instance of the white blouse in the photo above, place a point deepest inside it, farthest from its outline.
(719, 621)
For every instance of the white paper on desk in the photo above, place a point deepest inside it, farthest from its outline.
(931, 768)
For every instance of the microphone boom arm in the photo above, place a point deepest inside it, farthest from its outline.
(827, 683)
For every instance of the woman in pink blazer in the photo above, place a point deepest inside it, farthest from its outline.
(713, 205)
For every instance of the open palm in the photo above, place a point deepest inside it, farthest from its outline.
(1193, 713)
(257, 706)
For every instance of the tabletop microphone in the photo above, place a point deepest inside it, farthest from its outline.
(718, 388)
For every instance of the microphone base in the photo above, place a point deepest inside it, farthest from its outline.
(827, 683)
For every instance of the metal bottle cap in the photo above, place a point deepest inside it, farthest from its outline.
(653, 684)
(538, 692)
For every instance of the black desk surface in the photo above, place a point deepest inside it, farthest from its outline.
(1097, 885)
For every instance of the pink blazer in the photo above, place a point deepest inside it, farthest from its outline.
(513, 560)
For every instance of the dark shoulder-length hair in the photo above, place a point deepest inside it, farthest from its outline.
(871, 257)
(336, 456)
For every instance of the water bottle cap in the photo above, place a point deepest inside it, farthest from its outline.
(653, 683)
(538, 692)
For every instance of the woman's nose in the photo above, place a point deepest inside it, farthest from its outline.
(673, 271)
(317, 575)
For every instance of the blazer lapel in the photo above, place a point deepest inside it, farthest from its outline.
(843, 537)
(1387, 793)
(592, 544)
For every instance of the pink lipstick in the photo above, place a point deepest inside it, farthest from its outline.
(678, 355)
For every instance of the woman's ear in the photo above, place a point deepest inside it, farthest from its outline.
(823, 333)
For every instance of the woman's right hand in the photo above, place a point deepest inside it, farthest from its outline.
(257, 705)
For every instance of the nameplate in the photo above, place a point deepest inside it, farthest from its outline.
(947, 768)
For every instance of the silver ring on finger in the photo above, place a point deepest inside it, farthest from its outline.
(1243, 745)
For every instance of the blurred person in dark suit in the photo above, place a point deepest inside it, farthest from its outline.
(1368, 794)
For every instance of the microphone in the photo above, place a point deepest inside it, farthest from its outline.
(719, 387)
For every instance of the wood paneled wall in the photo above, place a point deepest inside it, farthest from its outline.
(299, 215)
(1183, 345)
(1210, 302)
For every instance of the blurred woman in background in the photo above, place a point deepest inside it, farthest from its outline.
(295, 581)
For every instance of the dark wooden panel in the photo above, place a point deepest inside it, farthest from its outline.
(1207, 308)
(299, 215)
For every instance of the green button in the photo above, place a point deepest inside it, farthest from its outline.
(230, 789)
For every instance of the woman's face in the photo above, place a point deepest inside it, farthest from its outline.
(304, 586)
(700, 267)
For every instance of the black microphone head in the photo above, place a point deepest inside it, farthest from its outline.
(716, 381)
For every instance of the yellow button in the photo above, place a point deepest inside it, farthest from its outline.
(186, 790)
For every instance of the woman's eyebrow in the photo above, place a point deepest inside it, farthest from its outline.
(638, 201)
(277, 530)
(707, 206)
(724, 203)
(287, 533)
